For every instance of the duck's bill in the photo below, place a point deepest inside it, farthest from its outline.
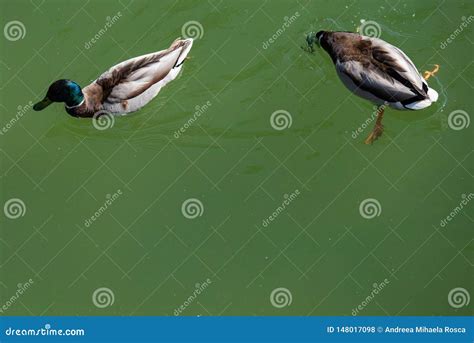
(42, 104)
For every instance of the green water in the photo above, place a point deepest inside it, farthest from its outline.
(236, 164)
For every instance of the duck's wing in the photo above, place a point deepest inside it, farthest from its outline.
(398, 65)
(385, 71)
(370, 79)
(131, 78)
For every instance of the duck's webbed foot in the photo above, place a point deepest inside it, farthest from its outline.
(427, 74)
(378, 127)
(376, 133)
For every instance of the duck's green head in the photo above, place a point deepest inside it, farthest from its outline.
(66, 91)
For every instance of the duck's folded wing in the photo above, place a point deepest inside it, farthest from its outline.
(378, 82)
(130, 78)
(398, 65)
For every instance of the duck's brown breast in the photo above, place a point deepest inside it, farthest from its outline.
(93, 96)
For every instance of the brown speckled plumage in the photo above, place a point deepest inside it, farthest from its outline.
(376, 70)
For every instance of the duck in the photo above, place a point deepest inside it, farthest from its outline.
(124, 88)
(376, 71)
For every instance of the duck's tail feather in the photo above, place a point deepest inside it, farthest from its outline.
(432, 95)
(187, 45)
(418, 105)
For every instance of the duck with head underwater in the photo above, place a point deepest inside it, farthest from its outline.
(377, 71)
(124, 88)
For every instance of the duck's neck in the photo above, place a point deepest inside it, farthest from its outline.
(75, 100)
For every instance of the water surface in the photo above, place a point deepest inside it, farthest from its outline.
(150, 256)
